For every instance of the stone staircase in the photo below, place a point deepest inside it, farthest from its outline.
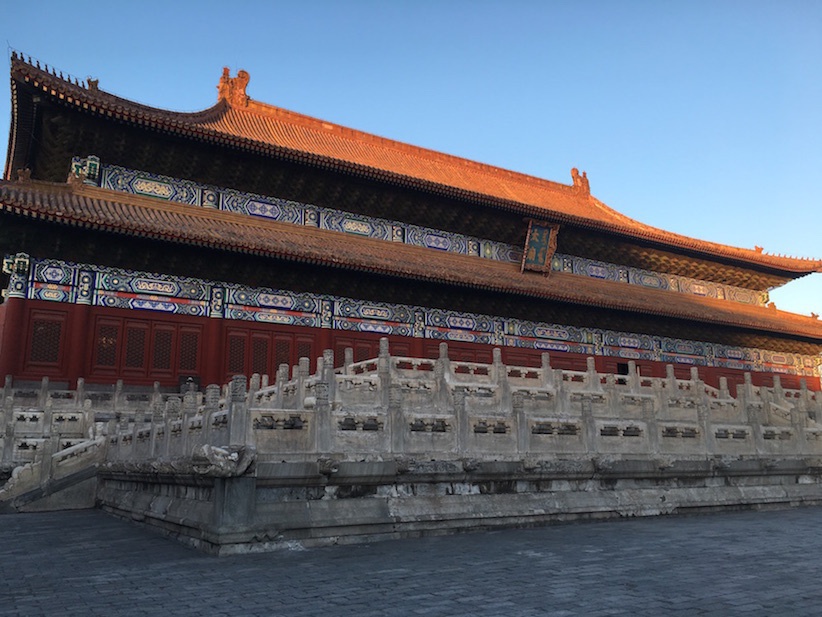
(65, 480)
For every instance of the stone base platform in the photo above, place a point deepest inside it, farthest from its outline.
(325, 502)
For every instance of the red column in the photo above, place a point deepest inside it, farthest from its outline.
(80, 342)
(417, 347)
(12, 337)
(325, 341)
(213, 359)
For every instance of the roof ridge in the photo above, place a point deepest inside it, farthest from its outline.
(267, 110)
(90, 88)
(694, 243)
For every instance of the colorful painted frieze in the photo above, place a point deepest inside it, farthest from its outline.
(282, 210)
(58, 281)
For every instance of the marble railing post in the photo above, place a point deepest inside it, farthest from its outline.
(124, 432)
(804, 395)
(43, 397)
(499, 375)
(384, 372)
(329, 377)
(7, 387)
(237, 409)
(442, 367)
(649, 416)
(591, 375)
(563, 403)
(156, 418)
(89, 427)
(812, 408)
(8, 421)
(44, 453)
(322, 406)
(633, 377)
(118, 396)
(391, 398)
(156, 396)
(172, 413)
(723, 388)
(111, 434)
(815, 405)
(295, 377)
(282, 378)
(303, 369)
(254, 386)
(547, 372)
(518, 413)
(210, 407)
(754, 412)
(611, 394)
(80, 393)
(670, 379)
(189, 411)
(589, 425)
(135, 432)
(702, 406)
(778, 391)
(348, 360)
(48, 446)
(798, 415)
(462, 420)
(742, 400)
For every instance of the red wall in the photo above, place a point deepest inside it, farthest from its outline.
(67, 341)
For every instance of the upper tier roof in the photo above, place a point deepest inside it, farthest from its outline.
(241, 122)
(91, 207)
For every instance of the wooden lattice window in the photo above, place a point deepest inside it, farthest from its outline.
(282, 352)
(304, 349)
(107, 345)
(236, 354)
(161, 358)
(45, 341)
(189, 346)
(363, 352)
(339, 354)
(259, 355)
(135, 347)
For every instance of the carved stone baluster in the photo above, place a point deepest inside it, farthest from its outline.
(237, 412)
(282, 378)
(547, 372)
(8, 421)
(442, 367)
(211, 406)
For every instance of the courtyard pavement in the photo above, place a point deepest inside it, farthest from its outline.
(737, 563)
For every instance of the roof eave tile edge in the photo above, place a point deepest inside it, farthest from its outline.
(35, 211)
(178, 126)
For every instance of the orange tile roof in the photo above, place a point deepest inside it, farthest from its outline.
(81, 205)
(255, 126)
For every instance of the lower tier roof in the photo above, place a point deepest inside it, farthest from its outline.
(80, 205)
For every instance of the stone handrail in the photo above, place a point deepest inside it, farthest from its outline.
(441, 408)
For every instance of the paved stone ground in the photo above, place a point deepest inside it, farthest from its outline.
(747, 563)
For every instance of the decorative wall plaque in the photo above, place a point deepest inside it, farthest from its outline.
(540, 245)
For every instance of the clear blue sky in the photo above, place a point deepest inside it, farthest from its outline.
(703, 118)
